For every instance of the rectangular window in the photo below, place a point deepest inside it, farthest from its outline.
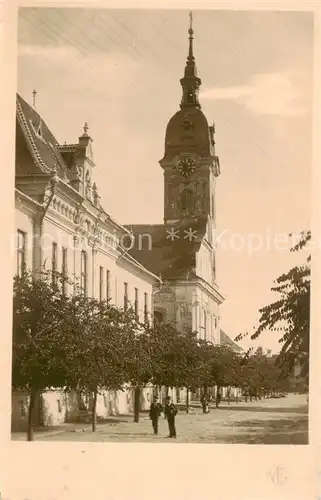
(205, 324)
(108, 291)
(125, 296)
(136, 303)
(101, 282)
(59, 406)
(21, 252)
(84, 273)
(64, 269)
(146, 307)
(54, 262)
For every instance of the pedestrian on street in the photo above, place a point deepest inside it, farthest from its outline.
(170, 413)
(155, 412)
(204, 403)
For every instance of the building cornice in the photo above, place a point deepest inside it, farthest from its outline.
(26, 204)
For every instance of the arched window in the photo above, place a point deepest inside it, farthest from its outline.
(84, 273)
(186, 199)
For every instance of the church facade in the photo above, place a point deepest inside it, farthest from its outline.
(182, 249)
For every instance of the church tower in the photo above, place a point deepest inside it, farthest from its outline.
(190, 164)
(183, 249)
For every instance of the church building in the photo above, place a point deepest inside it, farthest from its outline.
(182, 250)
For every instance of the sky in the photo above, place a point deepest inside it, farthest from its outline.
(119, 70)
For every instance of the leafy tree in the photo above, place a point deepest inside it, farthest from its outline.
(69, 341)
(290, 314)
(175, 357)
(39, 307)
(138, 359)
(207, 356)
(95, 357)
(225, 365)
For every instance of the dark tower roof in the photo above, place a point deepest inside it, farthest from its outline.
(188, 130)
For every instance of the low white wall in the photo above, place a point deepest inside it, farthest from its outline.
(55, 407)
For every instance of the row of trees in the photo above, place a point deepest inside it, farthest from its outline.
(80, 343)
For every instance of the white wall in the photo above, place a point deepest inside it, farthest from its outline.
(54, 231)
(204, 264)
(124, 276)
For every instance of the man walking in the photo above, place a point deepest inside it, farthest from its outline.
(170, 414)
(154, 413)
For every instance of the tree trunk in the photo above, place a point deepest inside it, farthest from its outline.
(93, 412)
(136, 404)
(187, 400)
(218, 396)
(32, 401)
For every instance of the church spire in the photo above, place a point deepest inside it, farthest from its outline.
(190, 64)
(190, 82)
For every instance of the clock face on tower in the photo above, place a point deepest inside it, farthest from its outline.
(186, 166)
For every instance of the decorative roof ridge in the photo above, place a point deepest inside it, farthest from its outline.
(30, 142)
(144, 225)
(61, 163)
(66, 147)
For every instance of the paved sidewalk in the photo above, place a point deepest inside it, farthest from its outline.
(271, 421)
(68, 427)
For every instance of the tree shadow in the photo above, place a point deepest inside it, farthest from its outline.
(276, 431)
(260, 409)
(112, 420)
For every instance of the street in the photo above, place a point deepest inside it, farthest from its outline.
(270, 421)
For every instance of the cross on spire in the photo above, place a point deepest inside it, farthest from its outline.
(190, 59)
(34, 93)
(190, 82)
(191, 23)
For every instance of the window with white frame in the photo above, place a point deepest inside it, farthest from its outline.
(108, 290)
(54, 262)
(125, 296)
(21, 252)
(136, 302)
(101, 283)
(64, 268)
(146, 307)
(84, 273)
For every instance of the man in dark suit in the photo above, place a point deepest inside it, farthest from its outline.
(170, 413)
(154, 413)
